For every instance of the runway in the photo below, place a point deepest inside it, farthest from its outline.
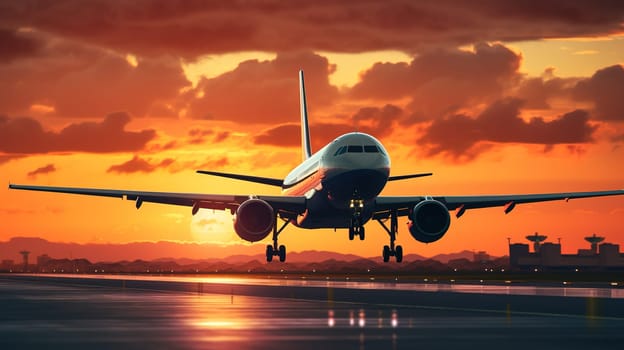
(129, 312)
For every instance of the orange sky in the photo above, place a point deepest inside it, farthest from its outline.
(492, 97)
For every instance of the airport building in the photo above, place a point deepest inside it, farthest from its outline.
(546, 255)
(7, 265)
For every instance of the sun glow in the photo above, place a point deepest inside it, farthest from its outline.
(213, 227)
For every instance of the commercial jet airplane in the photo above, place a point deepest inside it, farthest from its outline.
(337, 187)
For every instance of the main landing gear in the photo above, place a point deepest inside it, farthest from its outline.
(274, 250)
(391, 250)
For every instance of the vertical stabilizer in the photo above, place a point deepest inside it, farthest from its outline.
(305, 130)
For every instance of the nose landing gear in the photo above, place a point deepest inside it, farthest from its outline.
(391, 250)
(356, 228)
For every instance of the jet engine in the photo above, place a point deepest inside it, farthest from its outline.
(429, 221)
(253, 220)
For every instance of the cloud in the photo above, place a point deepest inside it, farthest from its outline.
(15, 46)
(537, 92)
(207, 164)
(191, 28)
(377, 121)
(604, 89)
(50, 168)
(78, 80)
(5, 158)
(618, 138)
(264, 91)
(441, 81)
(27, 136)
(137, 164)
(198, 136)
(458, 136)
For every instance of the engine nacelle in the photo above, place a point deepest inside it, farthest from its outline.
(254, 220)
(429, 221)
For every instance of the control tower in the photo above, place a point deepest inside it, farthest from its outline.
(594, 240)
(537, 240)
(25, 256)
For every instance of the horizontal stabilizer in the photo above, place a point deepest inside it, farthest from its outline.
(256, 179)
(403, 177)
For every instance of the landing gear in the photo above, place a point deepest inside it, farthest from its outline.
(391, 250)
(356, 228)
(274, 250)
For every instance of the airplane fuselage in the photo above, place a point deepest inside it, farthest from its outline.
(344, 176)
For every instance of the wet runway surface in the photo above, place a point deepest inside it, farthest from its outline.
(80, 314)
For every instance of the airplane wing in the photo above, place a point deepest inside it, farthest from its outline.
(285, 205)
(403, 204)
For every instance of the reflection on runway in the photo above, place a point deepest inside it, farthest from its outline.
(566, 289)
(74, 314)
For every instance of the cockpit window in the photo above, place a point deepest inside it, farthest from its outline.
(358, 149)
(340, 151)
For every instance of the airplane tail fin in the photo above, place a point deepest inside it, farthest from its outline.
(305, 129)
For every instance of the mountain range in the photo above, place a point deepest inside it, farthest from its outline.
(179, 252)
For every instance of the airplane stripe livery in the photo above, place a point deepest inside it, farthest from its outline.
(337, 187)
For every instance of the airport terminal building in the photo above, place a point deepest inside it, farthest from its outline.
(547, 256)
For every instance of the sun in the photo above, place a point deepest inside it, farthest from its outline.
(213, 226)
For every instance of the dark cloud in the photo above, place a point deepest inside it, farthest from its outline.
(5, 158)
(538, 92)
(50, 168)
(375, 121)
(264, 91)
(221, 136)
(285, 135)
(15, 46)
(441, 81)
(159, 147)
(459, 136)
(207, 164)
(192, 28)
(76, 80)
(27, 136)
(198, 136)
(111, 84)
(605, 89)
(138, 164)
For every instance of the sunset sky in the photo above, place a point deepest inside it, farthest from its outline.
(491, 96)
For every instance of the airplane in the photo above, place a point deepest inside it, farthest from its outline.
(337, 187)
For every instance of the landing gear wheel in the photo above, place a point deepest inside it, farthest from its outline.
(398, 253)
(391, 250)
(386, 253)
(351, 233)
(361, 233)
(272, 249)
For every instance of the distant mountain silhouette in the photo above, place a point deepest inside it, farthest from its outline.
(121, 251)
(189, 254)
(445, 258)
